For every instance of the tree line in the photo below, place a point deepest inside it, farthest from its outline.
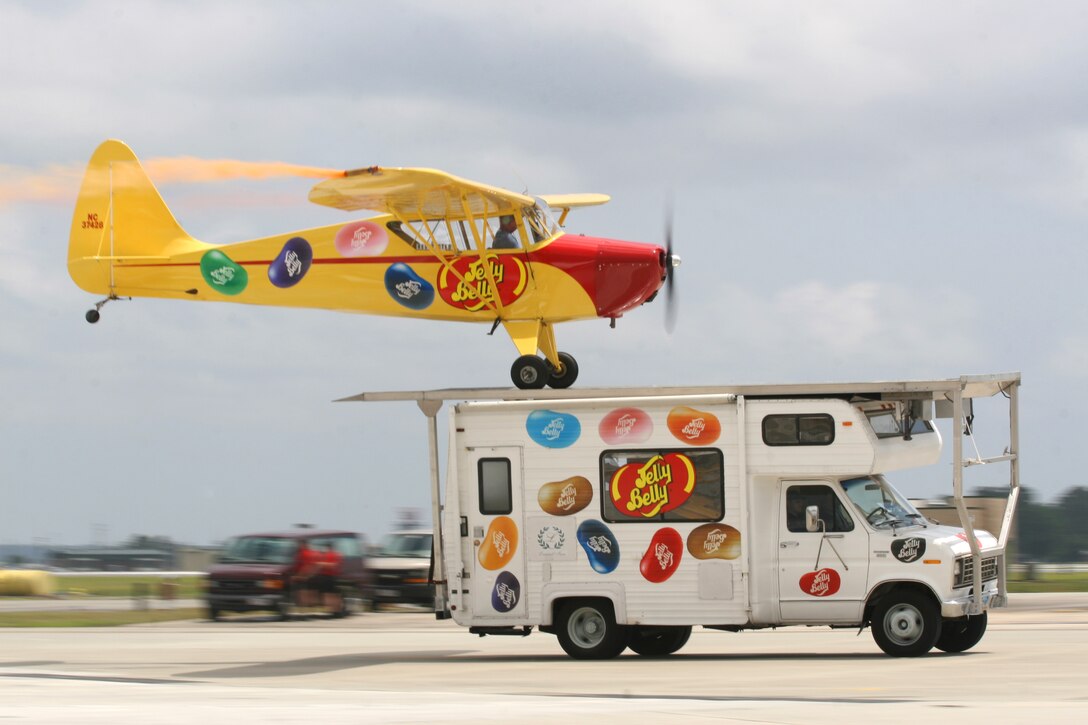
(1049, 532)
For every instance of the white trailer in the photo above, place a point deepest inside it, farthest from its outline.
(619, 518)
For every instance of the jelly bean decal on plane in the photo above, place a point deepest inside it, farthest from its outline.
(469, 285)
(694, 427)
(291, 264)
(822, 583)
(600, 546)
(361, 239)
(661, 484)
(407, 288)
(909, 550)
(222, 273)
(506, 593)
(566, 497)
(499, 544)
(662, 557)
(551, 429)
(714, 541)
(626, 426)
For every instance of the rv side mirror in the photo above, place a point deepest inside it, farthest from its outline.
(812, 518)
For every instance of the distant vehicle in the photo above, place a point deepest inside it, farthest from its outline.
(256, 572)
(401, 570)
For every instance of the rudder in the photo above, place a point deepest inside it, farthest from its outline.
(119, 214)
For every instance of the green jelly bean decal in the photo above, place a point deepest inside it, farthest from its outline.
(222, 273)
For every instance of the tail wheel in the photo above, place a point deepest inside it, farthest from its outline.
(567, 373)
(658, 641)
(588, 631)
(906, 623)
(530, 372)
(960, 635)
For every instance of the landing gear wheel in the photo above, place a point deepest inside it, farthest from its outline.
(587, 630)
(658, 641)
(960, 635)
(93, 316)
(529, 372)
(567, 373)
(906, 623)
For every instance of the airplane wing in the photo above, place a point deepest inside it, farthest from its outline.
(415, 194)
(571, 201)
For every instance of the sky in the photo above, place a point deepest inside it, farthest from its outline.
(860, 191)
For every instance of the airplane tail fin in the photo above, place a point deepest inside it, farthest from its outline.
(119, 215)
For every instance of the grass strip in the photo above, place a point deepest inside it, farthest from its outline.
(96, 618)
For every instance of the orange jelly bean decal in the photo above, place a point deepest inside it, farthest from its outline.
(500, 543)
(694, 426)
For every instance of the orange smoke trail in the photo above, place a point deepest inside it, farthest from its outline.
(61, 183)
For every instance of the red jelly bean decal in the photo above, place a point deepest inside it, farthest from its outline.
(822, 583)
(663, 555)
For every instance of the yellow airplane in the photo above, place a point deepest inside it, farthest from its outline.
(444, 248)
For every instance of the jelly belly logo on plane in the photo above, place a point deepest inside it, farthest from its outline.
(468, 286)
(654, 487)
(822, 583)
(551, 429)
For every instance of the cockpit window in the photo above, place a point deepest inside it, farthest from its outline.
(448, 236)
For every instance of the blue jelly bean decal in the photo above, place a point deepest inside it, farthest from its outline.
(407, 287)
(506, 593)
(292, 263)
(600, 545)
(551, 429)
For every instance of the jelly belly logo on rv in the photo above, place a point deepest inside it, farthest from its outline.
(822, 583)
(909, 550)
(694, 427)
(654, 487)
(475, 283)
(626, 425)
(551, 429)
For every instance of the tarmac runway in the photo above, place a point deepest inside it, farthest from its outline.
(406, 667)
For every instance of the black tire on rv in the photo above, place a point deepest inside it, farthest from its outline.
(960, 635)
(658, 641)
(587, 630)
(530, 372)
(906, 623)
(567, 373)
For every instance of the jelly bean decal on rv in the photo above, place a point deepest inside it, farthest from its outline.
(551, 429)
(714, 541)
(626, 426)
(694, 426)
(292, 263)
(662, 557)
(566, 497)
(361, 239)
(506, 593)
(499, 544)
(909, 550)
(600, 546)
(654, 487)
(408, 288)
(822, 583)
(222, 273)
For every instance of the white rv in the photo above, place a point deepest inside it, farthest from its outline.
(618, 518)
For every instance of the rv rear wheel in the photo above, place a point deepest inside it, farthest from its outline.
(588, 631)
(906, 623)
(960, 635)
(658, 641)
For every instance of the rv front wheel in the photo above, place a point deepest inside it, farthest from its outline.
(658, 641)
(960, 635)
(906, 623)
(588, 631)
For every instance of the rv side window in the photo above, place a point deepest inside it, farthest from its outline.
(811, 429)
(662, 485)
(832, 512)
(494, 477)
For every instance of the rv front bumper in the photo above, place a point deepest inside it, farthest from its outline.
(961, 606)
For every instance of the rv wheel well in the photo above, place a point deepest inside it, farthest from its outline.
(892, 588)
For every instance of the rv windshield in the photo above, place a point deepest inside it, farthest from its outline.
(880, 503)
